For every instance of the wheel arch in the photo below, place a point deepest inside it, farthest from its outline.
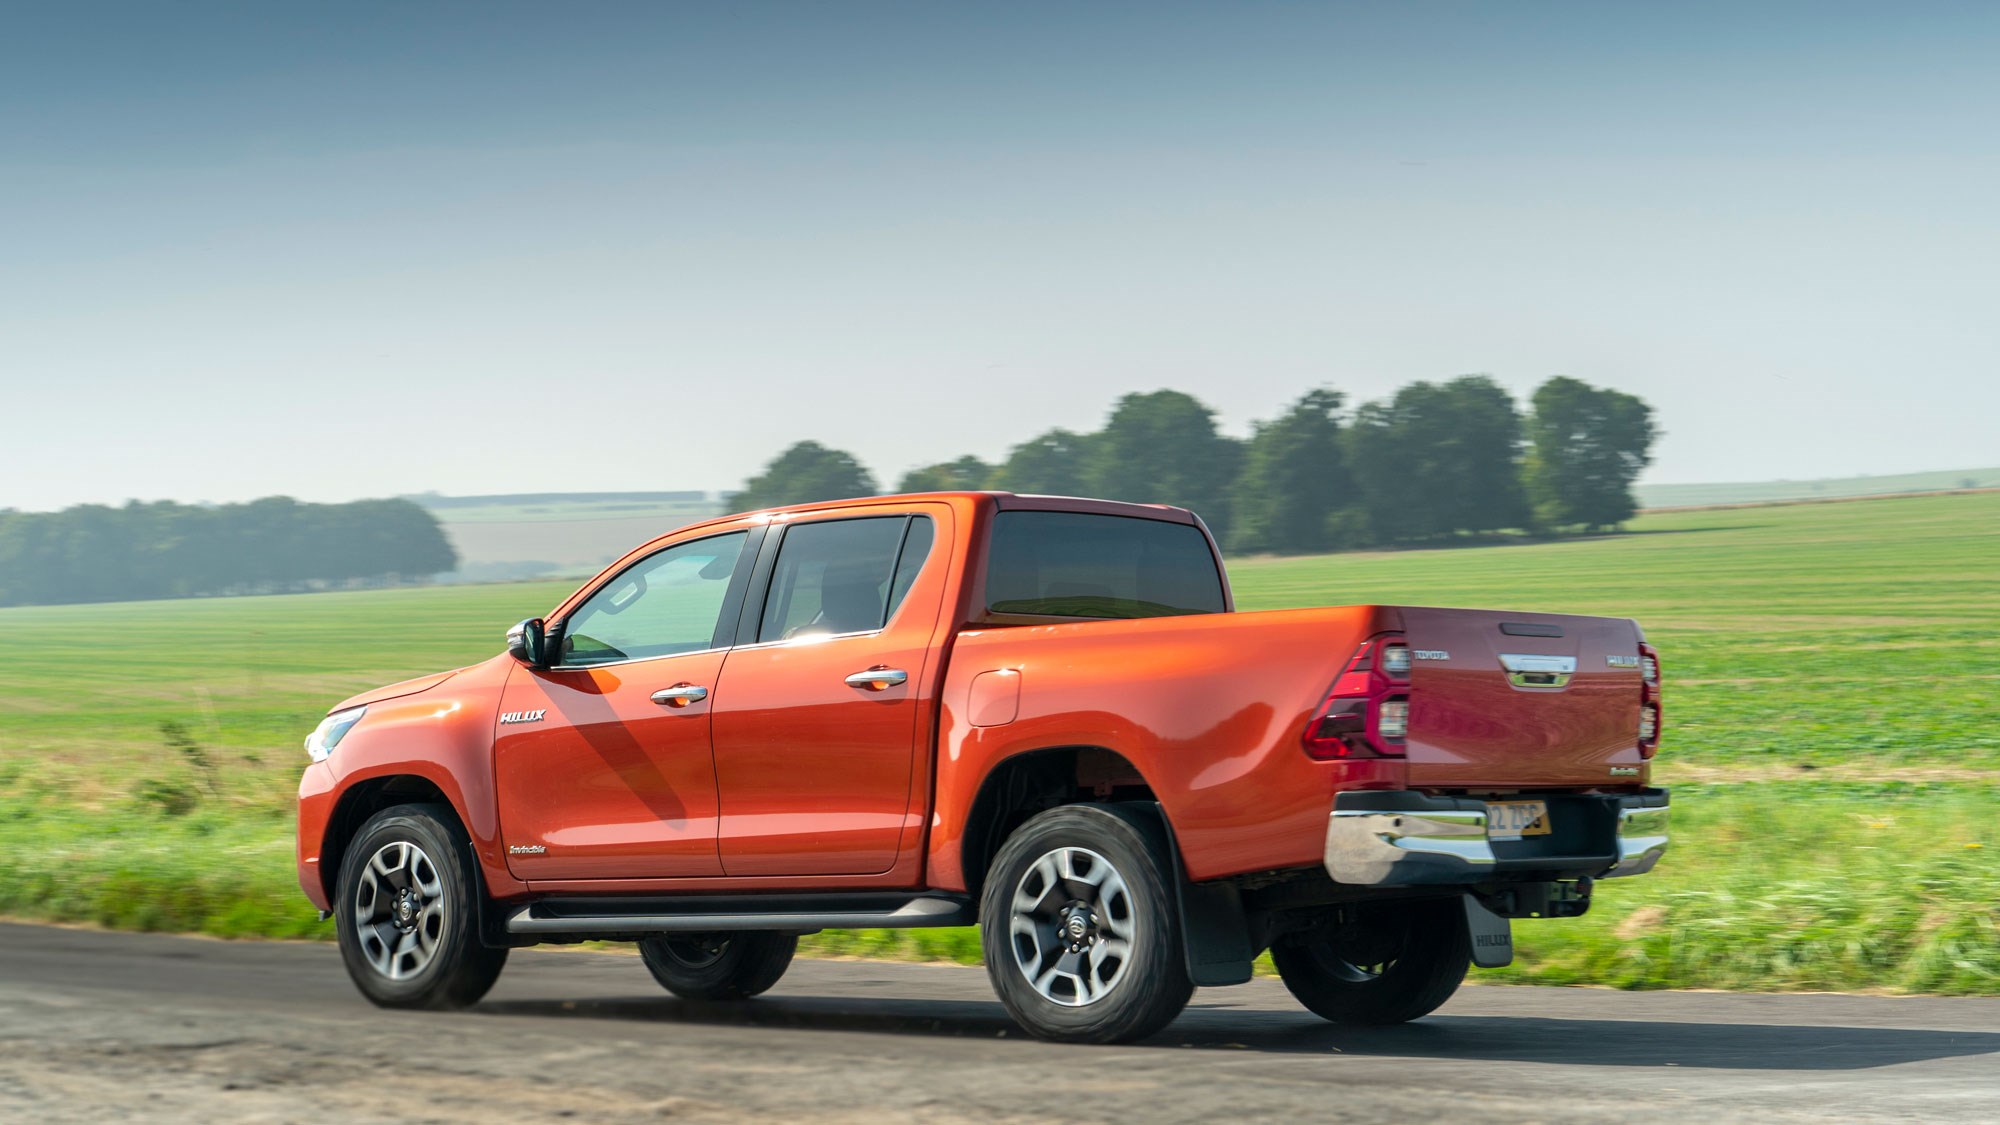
(1027, 782)
(1213, 922)
(365, 798)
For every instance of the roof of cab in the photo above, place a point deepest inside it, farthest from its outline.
(1005, 501)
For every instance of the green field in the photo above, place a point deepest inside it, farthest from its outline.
(1832, 675)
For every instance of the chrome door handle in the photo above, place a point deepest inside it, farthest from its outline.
(878, 679)
(680, 695)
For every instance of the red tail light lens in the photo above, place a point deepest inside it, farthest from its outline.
(1650, 717)
(1367, 711)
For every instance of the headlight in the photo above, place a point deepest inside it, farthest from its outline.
(329, 732)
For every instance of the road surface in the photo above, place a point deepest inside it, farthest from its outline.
(102, 1026)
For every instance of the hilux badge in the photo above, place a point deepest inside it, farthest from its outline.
(1431, 654)
(522, 716)
(1621, 661)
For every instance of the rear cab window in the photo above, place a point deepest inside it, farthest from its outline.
(1051, 564)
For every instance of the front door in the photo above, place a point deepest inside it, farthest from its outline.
(818, 728)
(603, 760)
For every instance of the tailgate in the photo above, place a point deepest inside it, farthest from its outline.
(1522, 700)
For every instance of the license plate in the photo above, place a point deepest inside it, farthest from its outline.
(1511, 820)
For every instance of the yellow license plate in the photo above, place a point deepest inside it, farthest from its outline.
(1511, 820)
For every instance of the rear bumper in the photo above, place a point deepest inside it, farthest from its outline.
(1411, 839)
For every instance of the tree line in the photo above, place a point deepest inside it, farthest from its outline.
(95, 553)
(1432, 462)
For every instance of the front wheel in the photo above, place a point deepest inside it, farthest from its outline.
(1383, 965)
(1081, 933)
(407, 912)
(732, 966)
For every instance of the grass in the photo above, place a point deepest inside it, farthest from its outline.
(1832, 676)
(1780, 885)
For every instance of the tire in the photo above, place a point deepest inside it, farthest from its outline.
(407, 912)
(1390, 964)
(732, 966)
(1081, 928)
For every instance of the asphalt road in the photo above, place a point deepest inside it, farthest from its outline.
(99, 1026)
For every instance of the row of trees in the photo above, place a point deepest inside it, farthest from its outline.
(1434, 460)
(94, 553)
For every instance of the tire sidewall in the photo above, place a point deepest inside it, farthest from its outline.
(1436, 954)
(1155, 985)
(460, 944)
(750, 963)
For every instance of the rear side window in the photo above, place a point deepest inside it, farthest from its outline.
(1075, 564)
(843, 576)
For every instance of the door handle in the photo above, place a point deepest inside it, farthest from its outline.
(680, 695)
(878, 679)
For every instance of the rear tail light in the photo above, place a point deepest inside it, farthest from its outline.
(1367, 711)
(1649, 701)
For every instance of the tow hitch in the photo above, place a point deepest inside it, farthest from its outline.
(1488, 915)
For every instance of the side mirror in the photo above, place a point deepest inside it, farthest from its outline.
(525, 643)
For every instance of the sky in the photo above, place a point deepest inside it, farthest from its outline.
(335, 251)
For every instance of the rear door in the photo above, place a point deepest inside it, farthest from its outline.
(821, 717)
(1521, 700)
(603, 762)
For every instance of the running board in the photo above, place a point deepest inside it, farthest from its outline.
(710, 914)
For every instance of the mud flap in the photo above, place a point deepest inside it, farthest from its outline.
(1214, 930)
(1218, 939)
(1492, 935)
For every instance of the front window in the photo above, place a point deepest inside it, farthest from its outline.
(669, 602)
(1078, 564)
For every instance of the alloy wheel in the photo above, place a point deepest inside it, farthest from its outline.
(399, 910)
(1071, 926)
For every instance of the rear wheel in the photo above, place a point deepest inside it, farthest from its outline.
(407, 912)
(1386, 964)
(732, 966)
(1081, 931)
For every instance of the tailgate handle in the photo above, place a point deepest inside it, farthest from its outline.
(1529, 670)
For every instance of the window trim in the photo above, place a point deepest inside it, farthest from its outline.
(732, 598)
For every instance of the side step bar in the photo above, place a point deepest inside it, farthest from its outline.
(799, 913)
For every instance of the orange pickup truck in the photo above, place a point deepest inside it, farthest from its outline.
(1039, 714)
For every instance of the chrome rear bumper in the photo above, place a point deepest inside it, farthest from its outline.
(1411, 839)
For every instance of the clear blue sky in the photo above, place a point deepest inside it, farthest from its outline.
(338, 250)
